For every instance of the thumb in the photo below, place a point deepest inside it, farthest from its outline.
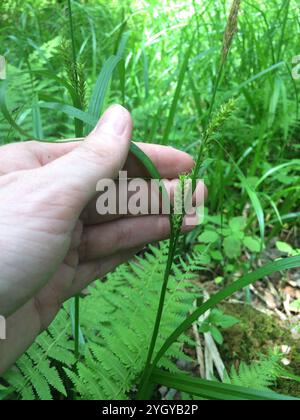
(101, 155)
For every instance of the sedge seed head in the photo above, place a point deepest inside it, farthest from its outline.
(231, 28)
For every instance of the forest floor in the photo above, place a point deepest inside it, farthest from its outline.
(268, 321)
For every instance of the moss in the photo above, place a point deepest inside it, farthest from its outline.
(285, 386)
(256, 334)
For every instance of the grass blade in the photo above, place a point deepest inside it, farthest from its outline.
(275, 208)
(37, 120)
(7, 115)
(252, 194)
(145, 70)
(247, 280)
(61, 81)
(213, 390)
(71, 111)
(255, 203)
(295, 162)
(122, 44)
(182, 73)
(100, 89)
(259, 75)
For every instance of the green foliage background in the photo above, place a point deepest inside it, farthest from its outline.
(253, 178)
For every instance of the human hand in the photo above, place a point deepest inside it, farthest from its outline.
(53, 242)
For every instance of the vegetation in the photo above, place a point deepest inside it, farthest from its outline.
(221, 82)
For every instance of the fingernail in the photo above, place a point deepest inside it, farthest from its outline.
(114, 121)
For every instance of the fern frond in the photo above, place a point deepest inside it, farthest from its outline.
(36, 373)
(117, 317)
(259, 375)
(130, 296)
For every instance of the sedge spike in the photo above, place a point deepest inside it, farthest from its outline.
(231, 29)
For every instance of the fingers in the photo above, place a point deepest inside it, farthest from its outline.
(47, 152)
(169, 161)
(89, 272)
(101, 155)
(31, 154)
(115, 237)
(151, 196)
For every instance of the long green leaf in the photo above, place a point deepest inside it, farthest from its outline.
(7, 115)
(250, 278)
(295, 162)
(213, 390)
(255, 203)
(60, 81)
(252, 195)
(259, 75)
(71, 111)
(122, 44)
(182, 73)
(101, 87)
(145, 70)
(37, 120)
(275, 208)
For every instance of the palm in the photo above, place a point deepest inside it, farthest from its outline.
(62, 251)
(54, 243)
(49, 262)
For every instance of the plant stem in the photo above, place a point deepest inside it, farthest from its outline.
(175, 232)
(171, 254)
(78, 133)
(77, 104)
(175, 226)
(76, 325)
(172, 249)
(207, 121)
(72, 31)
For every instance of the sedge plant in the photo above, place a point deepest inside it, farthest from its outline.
(212, 126)
(76, 79)
(213, 122)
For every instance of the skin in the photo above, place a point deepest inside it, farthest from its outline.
(53, 242)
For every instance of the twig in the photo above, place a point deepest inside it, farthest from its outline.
(199, 350)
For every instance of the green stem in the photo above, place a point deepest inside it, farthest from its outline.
(77, 103)
(148, 367)
(72, 32)
(208, 118)
(172, 249)
(78, 133)
(76, 325)
(173, 244)
(213, 99)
